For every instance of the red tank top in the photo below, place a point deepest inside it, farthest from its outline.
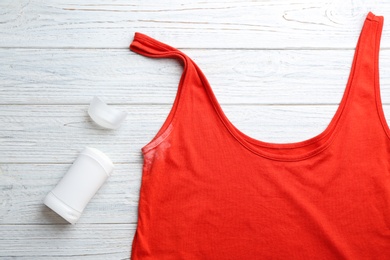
(209, 191)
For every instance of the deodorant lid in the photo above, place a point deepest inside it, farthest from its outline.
(105, 115)
(101, 158)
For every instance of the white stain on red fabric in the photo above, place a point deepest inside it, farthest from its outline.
(156, 150)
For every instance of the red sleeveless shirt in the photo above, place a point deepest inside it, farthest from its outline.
(209, 191)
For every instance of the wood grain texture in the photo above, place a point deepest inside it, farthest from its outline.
(278, 68)
(63, 241)
(196, 24)
(123, 77)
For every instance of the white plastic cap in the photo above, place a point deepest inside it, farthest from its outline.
(105, 115)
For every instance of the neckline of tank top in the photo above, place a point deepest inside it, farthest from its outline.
(257, 146)
(248, 142)
(330, 131)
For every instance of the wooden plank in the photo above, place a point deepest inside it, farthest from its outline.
(120, 76)
(23, 188)
(194, 24)
(83, 241)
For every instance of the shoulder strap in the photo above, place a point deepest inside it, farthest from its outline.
(361, 98)
(150, 47)
(364, 77)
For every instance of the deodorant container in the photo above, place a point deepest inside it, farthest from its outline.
(83, 179)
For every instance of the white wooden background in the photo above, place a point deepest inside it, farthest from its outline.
(278, 68)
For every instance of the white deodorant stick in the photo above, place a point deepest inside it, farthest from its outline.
(83, 179)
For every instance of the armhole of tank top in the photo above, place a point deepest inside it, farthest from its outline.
(168, 125)
(377, 85)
